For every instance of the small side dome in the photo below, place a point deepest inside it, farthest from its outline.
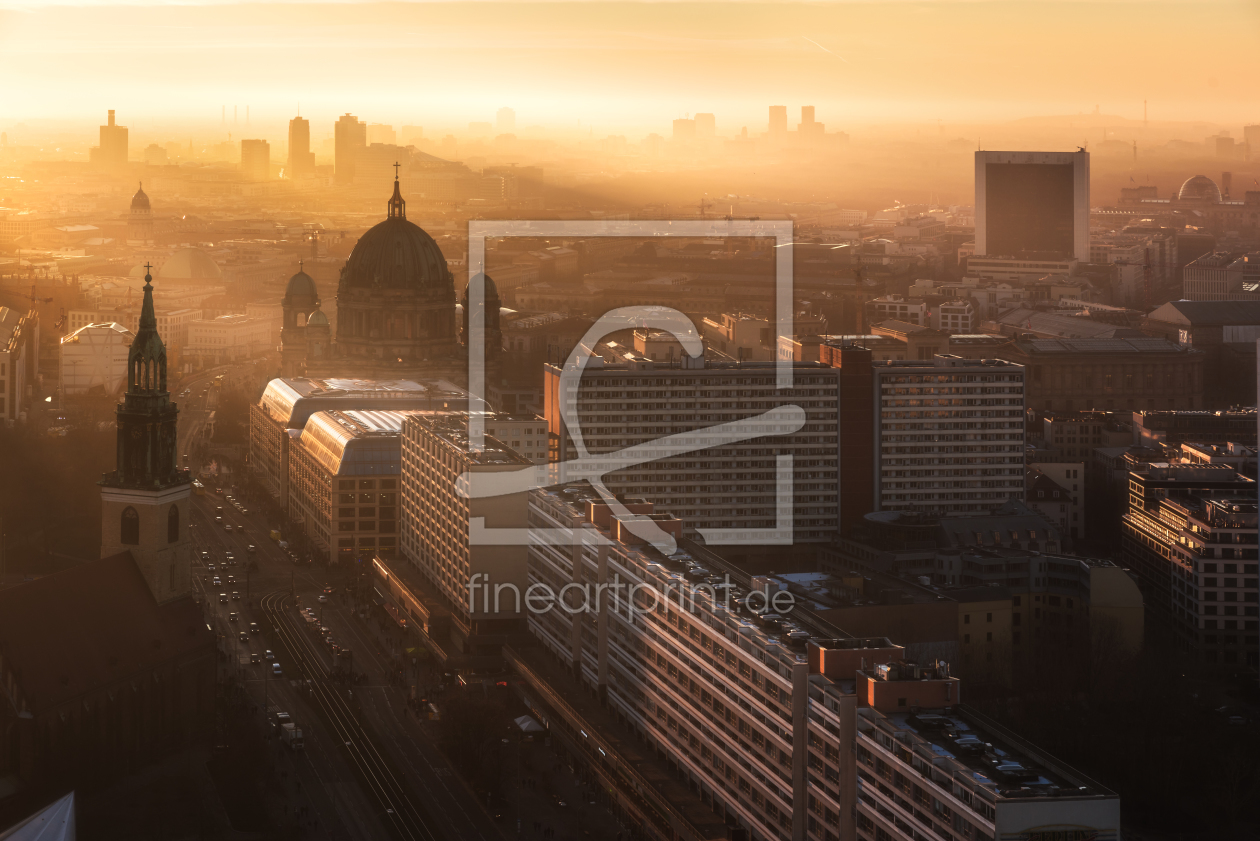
(492, 291)
(139, 201)
(317, 319)
(301, 285)
(1200, 188)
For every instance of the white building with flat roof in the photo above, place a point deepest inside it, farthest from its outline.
(94, 356)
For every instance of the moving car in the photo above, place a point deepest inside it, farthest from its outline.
(223, 599)
(232, 617)
(236, 596)
(276, 670)
(268, 655)
(242, 636)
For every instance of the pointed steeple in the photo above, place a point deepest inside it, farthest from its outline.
(147, 418)
(146, 361)
(397, 207)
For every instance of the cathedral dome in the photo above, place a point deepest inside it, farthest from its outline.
(397, 254)
(190, 264)
(1200, 188)
(140, 201)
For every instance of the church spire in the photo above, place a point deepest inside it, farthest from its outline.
(147, 418)
(397, 207)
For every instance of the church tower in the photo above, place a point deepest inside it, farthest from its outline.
(300, 300)
(140, 223)
(490, 323)
(145, 503)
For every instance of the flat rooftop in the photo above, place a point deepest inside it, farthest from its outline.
(970, 746)
(452, 429)
(290, 401)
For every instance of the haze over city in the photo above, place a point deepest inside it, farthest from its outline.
(680, 421)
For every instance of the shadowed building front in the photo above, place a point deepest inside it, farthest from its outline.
(109, 666)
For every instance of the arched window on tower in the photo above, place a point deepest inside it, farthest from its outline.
(172, 524)
(130, 533)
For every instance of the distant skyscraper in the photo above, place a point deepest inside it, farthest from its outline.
(113, 144)
(350, 136)
(301, 158)
(411, 135)
(381, 133)
(1032, 203)
(1251, 139)
(809, 128)
(256, 160)
(706, 125)
(684, 129)
(505, 121)
(778, 120)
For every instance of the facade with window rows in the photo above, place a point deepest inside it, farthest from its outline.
(757, 712)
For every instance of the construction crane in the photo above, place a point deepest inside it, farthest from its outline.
(704, 206)
(35, 299)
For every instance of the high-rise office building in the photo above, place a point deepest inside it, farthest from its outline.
(438, 528)
(256, 160)
(381, 133)
(505, 121)
(349, 137)
(950, 434)
(809, 129)
(112, 151)
(706, 125)
(718, 487)
(684, 129)
(1032, 203)
(411, 135)
(783, 730)
(778, 120)
(1251, 139)
(301, 158)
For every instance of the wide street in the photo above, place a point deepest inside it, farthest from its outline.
(368, 771)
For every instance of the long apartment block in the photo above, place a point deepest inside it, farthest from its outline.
(950, 434)
(720, 489)
(783, 729)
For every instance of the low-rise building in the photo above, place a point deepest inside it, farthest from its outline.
(344, 469)
(1110, 374)
(1190, 534)
(94, 357)
(281, 414)
(19, 360)
(226, 339)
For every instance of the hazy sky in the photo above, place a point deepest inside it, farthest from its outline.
(623, 66)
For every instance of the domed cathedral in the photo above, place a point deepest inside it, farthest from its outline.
(140, 222)
(395, 310)
(396, 298)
